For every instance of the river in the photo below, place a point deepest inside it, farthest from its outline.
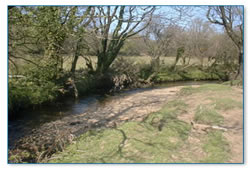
(71, 118)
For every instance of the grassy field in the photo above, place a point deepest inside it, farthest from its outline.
(167, 136)
(136, 59)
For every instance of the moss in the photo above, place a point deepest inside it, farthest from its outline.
(216, 148)
(207, 115)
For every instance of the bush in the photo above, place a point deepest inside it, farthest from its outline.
(37, 87)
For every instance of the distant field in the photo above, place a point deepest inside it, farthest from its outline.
(81, 64)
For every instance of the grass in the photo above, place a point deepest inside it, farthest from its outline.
(216, 148)
(167, 77)
(206, 115)
(159, 138)
(226, 103)
(220, 88)
(91, 147)
(151, 141)
(167, 61)
(196, 73)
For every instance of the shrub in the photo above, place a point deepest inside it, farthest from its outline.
(37, 87)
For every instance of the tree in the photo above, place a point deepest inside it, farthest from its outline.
(44, 30)
(112, 26)
(231, 18)
(39, 28)
(199, 39)
(157, 38)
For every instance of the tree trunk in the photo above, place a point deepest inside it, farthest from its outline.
(73, 66)
(156, 63)
(106, 59)
(239, 73)
(180, 52)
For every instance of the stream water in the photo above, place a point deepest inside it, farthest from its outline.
(76, 115)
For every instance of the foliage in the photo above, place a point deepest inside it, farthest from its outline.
(231, 18)
(39, 35)
(35, 88)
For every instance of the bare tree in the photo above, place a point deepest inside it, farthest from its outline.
(157, 38)
(111, 26)
(164, 34)
(199, 37)
(231, 18)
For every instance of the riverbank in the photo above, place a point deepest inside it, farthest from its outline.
(196, 126)
(135, 114)
(31, 92)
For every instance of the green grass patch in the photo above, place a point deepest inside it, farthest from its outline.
(148, 144)
(216, 148)
(168, 77)
(226, 103)
(91, 147)
(195, 73)
(208, 116)
(214, 87)
(198, 74)
(205, 88)
(170, 111)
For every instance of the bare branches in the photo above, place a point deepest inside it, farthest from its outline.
(225, 16)
(111, 26)
(212, 16)
(150, 13)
